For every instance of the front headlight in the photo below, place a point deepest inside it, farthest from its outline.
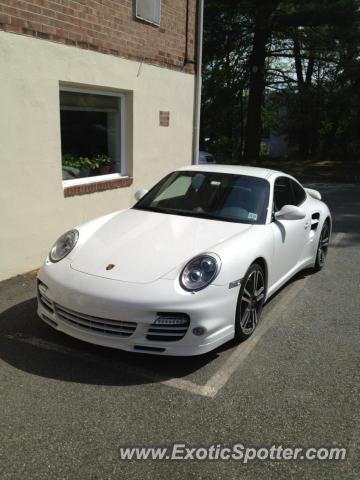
(63, 245)
(199, 272)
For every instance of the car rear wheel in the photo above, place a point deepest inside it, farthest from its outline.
(322, 247)
(250, 302)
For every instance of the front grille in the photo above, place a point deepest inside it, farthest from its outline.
(169, 327)
(95, 324)
(45, 302)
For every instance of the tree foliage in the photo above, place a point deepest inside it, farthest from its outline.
(262, 57)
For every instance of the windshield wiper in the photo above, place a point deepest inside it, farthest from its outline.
(155, 209)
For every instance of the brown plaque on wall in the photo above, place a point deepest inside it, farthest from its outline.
(164, 118)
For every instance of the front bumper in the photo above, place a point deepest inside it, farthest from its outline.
(105, 304)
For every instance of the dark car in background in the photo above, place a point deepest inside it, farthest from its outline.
(205, 158)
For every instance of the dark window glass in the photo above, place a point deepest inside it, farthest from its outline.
(84, 134)
(90, 134)
(283, 194)
(299, 193)
(218, 196)
(149, 10)
(88, 101)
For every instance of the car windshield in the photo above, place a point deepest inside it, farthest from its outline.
(216, 196)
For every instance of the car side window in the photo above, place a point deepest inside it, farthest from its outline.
(299, 193)
(283, 193)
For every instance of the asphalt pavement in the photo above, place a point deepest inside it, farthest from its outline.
(66, 407)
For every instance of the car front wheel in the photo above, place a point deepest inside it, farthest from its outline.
(250, 302)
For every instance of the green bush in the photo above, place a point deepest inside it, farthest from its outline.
(92, 163)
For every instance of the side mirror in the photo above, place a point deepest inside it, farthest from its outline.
(290, 212)
(140, 193)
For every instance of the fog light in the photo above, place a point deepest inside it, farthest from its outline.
(198, 331)
(170, 321)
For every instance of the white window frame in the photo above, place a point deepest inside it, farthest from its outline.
(146, 19)
(122, 109)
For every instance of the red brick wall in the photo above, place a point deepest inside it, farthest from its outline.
(107, 26)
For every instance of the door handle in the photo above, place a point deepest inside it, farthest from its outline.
(307, 224)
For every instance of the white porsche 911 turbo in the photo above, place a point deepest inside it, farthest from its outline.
(189, 266)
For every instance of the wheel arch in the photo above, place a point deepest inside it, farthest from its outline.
(329, 220)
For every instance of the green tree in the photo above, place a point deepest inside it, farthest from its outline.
(306, 51)
(227, 44)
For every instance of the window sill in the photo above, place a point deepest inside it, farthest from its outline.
(84, 186)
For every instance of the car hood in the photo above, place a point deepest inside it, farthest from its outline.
(144, 246)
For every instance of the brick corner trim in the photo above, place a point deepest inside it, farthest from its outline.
(97, 187)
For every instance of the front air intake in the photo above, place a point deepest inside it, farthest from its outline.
(95, 325)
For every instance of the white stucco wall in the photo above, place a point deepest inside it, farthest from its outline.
(33, 209)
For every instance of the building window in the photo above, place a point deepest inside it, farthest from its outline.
(92, 133)
(149, 11)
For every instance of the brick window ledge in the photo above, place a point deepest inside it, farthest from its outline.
(100, 186)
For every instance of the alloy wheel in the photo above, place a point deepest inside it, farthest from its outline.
(252, 301)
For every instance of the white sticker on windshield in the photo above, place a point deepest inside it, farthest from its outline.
(252, 216)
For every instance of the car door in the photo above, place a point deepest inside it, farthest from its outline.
(289, 235)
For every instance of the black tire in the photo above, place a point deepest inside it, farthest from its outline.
(250, 303)
(323, 246)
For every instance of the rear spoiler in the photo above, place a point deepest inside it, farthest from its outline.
(313, 193)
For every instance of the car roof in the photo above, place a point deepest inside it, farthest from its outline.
(234, 169)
